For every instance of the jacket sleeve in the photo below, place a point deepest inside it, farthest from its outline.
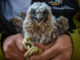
(76, 45)
(76, 36)
(6, 29)
(5, 26)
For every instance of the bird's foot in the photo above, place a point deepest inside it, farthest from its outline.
(31, 51)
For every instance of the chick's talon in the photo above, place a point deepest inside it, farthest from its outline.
(34, 50)
(27, 38)
(31, 51)
(24, 44)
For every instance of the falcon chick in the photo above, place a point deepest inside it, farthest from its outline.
(41, 26)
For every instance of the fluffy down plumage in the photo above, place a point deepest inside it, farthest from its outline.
(47, 31)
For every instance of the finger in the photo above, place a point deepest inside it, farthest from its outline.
(66, 47)
(49, 53)
(40, 46)
(13, 56)
(66, 55)
(44, 47)
(34, 57)
(19, 36)
(13, 53)
(46, 55)
(60, 57)
(17, 50)
(13, 47)
(20, 46)
(19, 42)
(14, 50)
(10, 46)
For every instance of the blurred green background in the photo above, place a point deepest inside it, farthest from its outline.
(2, 57)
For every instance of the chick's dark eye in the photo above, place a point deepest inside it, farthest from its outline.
(41, 19)
(45, 12)
(32, 11)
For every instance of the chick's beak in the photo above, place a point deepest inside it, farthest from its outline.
(38, 19)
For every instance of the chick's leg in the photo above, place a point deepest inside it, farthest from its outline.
(29, 46)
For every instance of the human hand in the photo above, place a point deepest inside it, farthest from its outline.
(60, 50)
(13, 47)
